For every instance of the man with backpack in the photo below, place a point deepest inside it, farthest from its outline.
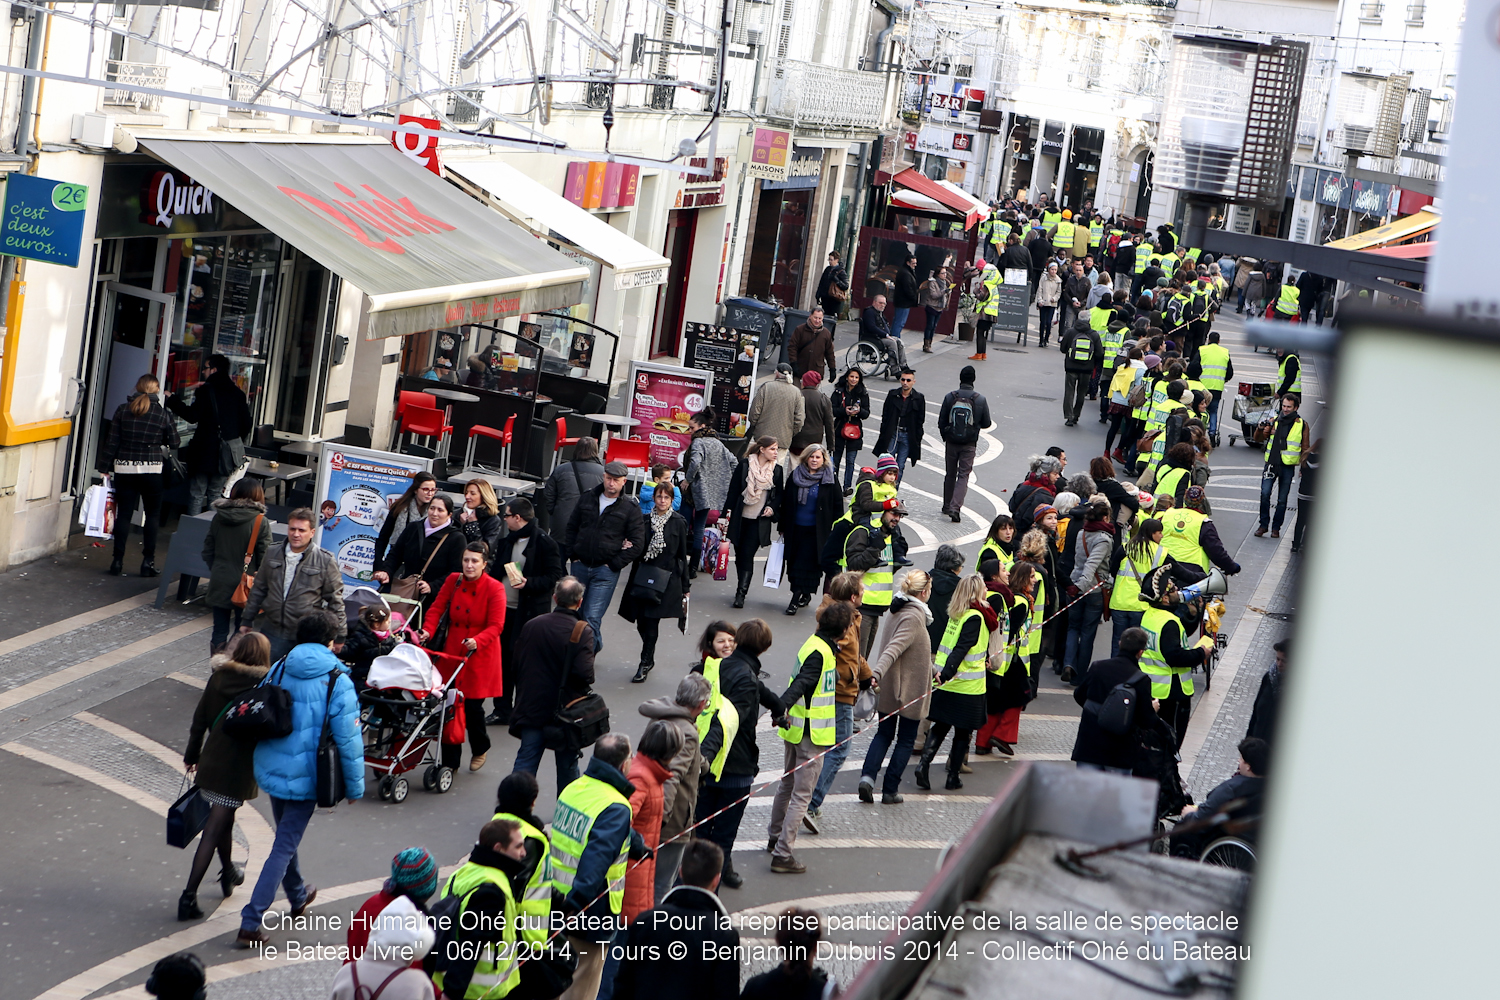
(1082, 352)
(963, 415)
(1116, 699)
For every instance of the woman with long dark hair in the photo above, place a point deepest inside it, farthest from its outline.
(474, 602)
(132, 454)
(432, 548)
(754, 495)
(237, 521)
(851, 407)
(809, 506)
(409, 507)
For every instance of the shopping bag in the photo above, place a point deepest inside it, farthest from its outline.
(99, 510)
(721, 564)
(711, 539)
(186, 816)
(775, 563)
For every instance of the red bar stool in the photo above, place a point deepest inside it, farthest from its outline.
(563, 441)
(504, 437)
(635, 453)
(422, 421)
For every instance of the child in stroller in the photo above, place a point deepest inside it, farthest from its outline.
(375, 628)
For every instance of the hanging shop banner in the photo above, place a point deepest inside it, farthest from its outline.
(802, 172)
(44, 219)
(945, 142)
(730, 354)
(354, 492)
(662, 398)
(770, 151)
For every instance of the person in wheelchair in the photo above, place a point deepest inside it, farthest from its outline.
(874, 328)
(1240, 797)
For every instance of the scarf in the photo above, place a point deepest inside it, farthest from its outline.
(926, 611)
(805, 480)
(428, 530)
(1107, 527)
(658, 541)
(1003, 589)
(758, 474)
(991, 620)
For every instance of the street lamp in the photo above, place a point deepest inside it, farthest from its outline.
(1229, 123)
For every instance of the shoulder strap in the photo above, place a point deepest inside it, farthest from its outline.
(573, 638)
(577, 479)
(433, 554)
(254, 534)
(361, 993)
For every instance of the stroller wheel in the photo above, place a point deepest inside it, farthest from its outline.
(400, 790)
(429, 777)
(385, 787)
(444, 779)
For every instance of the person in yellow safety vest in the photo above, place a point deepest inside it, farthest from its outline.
(1287, 308)
(592, 840)
(1189, 535)
(1285, 450)
(999, 232)
(1213, 368)
(998, 544)
(1112, 338)
(1175, 474)
(482, 959)
(869, 550)
(1176, 412)
(1010, 596)
(1051, 217)
(958, 703)
(1193, 254)
(989, 311)
(1143, 553)
(515, 801)
(1096, 233)
(1167, 659)
(808, 704)
(716, 643)
(1288, 374)
(1062, 236)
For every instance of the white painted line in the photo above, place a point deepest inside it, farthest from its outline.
(825, 902)
(104, 661)
(165, 754)
(190, 681)
(806, 841)
(842, 798)
(58, 628)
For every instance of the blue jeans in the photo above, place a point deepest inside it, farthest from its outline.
(529, 758)
(843, 729)
(898, 321)
(223, 629)
(700, 522)
(203, 489)
(600, 582)
(901, 448)
(904, 732)
(1213, 410)
(930, 331)
(292, 816)
(614, 950)
(1083, 623)
(846, 450)
(1123, 620)
(1281, 476)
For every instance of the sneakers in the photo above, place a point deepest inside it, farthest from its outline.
(642, 672)
(810, 821)
(891, 799)
(866, 791)
(787, 866)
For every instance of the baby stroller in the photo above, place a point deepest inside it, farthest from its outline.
(404, 712)
(406, 614)
(1255, 409)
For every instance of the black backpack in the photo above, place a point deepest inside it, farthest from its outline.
(1117, 712)
(962, 427)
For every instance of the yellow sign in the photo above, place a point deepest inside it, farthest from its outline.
(1391, 232)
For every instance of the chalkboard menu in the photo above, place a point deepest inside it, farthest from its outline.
(730, 355)
(1012, 301)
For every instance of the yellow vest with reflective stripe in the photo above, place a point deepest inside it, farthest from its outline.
(578, 808)
(1214, 359)
(969, 678)
(715, 696)
(1143, 411)
(1000, 233)
(1143, 254)
(992, 549)
(1113, 337)
(879, 583)
(1051, 218)
(1296, 385)
(1153, 663)
(1015, 646)
(1292, 453)
(1062, 237)
(536, 902)
(1096, 233)
(1181, 528)
(1286, 302)
(1159, 402)
(992, 280)
(1166, 483)
(1099, 318)
(1038, 608)
(728, 716)
(494, 975)
(815, 713)
(1127, 593)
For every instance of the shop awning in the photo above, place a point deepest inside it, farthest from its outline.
(425, 253)
(523, 199)
(959, 202)
(1407, 251)
(1391, 232)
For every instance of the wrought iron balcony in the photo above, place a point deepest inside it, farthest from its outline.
(814, 94)
(127, 74)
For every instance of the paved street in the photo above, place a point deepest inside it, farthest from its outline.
(97, 689)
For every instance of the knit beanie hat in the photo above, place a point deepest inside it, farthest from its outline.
(811, 379)
(177, 977)
(413, 871)
(1152, 360)
(966, 375)
(886, 463)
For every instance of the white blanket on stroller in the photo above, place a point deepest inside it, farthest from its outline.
(407, 667)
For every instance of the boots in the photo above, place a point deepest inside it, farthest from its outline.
(187, 906)
(117, 566)
(929, 752)
(744, 586)
(148, 568)
(793, 605)
(977, 357)
(730, 877)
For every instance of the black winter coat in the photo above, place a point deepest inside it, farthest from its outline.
(906, 289)
(907, 415)
(225, 545)
(220, 411)
(673, 558)
(944, 583)
(225, 765)
(561, 491)
(541, 564)
(1016, 257)
(1093, 745)
(360, 649)
(486, 528)
(735, 501)
(739, 681)
(842, 398)
(692, 917)
(550, 667)
(596, 539)
(830, 507)
(411, 551)
(1263, 716)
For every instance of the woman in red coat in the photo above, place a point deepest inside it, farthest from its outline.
(649, 770)
(474, 602)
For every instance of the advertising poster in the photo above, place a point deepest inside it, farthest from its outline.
(355, 490)
(662, 398)
(730, 355)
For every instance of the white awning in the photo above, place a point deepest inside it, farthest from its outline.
(544, 210)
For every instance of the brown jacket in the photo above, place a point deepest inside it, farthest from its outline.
(904, 666)
(852, 668)
(813, 350)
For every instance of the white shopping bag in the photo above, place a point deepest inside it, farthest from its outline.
(98, 511)
(775, 563)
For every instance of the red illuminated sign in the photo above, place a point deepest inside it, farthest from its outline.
(398, 218)
(419, 145)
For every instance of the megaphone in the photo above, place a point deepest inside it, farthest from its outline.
(1214, 583)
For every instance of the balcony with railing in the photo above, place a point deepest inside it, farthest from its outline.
(344, 97)
(1416, 14)
(814, 94)
(1371, 13)
(125, 75)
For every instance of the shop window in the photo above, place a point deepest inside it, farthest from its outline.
(302, 367)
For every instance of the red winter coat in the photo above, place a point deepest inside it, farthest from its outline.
(646, 809)
(477, 612)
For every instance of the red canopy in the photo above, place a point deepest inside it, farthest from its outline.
(1407, 251)
(966, 208)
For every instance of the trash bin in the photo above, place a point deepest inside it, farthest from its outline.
(747, 314)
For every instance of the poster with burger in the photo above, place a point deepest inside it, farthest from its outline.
(662, 399)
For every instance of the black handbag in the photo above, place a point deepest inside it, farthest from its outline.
(172, 469)
(330, 764)
(263, 712)
(186, 816)
(651, 583)
(229, 458)
(581, 721)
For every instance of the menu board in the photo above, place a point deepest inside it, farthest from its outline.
(662, 398)
(730, 355)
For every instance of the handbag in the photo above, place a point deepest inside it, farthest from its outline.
(173, 471)
(580, 722)
(229, 458)
(864, 705)
(186, 816)
(650, 584)
(247, 579)
(837, 291)
(456, 726)
(852, 430)
(406, 586)
(263, 712)
(330, 764)
(439, 637)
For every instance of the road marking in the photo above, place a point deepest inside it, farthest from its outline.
(829, 901)
(104, 661)
(809, 842)
(190, 681)
(58, 628)
(127, 792)
(165, 754)
(219, 973)
(845, 798)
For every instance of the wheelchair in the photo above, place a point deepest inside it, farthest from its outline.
(871, 360)
(1230, 852)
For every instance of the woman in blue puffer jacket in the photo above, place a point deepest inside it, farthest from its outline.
(286, 768)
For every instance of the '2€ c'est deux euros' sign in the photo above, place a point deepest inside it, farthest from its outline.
(43, 219)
